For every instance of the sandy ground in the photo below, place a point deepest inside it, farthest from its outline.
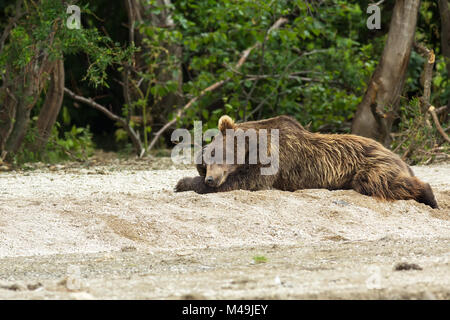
(119, 231)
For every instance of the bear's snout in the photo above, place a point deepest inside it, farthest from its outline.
(209, 180)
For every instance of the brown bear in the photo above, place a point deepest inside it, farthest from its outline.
(309, 161)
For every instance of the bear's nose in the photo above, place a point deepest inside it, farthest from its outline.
(209, 180)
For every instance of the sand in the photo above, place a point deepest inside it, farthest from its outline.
(118, 230)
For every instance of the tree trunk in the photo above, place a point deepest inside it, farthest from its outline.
(24, 89)
(138, 12)
(376, 112)
(8, 109)
(21, 87)
(444, 11)
(52, 104)
(445, 31)
(172, 100)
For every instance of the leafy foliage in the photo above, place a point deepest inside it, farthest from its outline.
(312, 68)
(42, 29)
(315, 67)
(45, 21)
(417, 140)
(75, 144)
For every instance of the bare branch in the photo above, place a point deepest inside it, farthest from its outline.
(245, 54)
(11, 24)
(180, 111)
(427, 71)
(441, 109)
(376, 3)
(286, 69)
(425, 99)
(133, 135)
(432, 110)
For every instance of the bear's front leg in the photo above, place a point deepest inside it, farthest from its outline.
(201, 168)
(196, 184)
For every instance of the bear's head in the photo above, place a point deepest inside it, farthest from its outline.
(223, 160)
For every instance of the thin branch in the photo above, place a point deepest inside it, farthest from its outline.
(376, 3)
(264, 76)
(286, 69)
(11, 24)
(180, 111)
(126, 73)
(432, 110)
(425, 100)
(427, 71)
(441, 109)
(133, 135)
(261, 66)
(245, 54)
(288, 76)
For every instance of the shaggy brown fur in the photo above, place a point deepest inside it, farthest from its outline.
(312, 160)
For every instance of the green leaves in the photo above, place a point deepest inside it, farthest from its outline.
(324, 87)
(75, 144)
(287, 72)
(44, 30)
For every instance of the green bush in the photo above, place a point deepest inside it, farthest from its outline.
(75, 144)
(417, 140)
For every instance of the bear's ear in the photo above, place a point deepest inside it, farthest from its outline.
(225, 122)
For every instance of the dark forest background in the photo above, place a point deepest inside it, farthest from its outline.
(138, 69)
